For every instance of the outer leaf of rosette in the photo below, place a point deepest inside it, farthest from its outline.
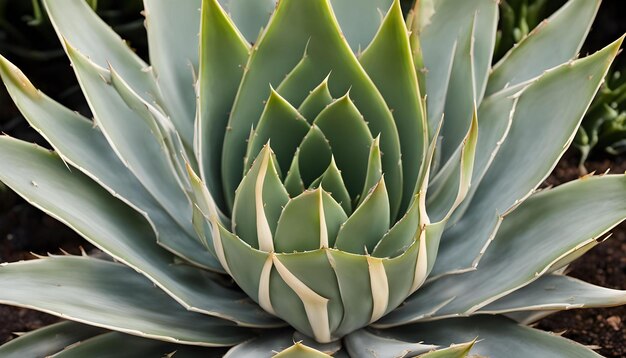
(350, 140)
(259, 201)
(332, 182)
(367, 225)
(370, 286)
(308, 222)
(297, 25)
(235, 252)
(223, 55)
(389, 64)
(317, 100)
(312, 157)
(314, 271)
(283, 125)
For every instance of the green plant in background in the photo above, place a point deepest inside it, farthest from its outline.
(518, 18)
(281, 179)
(25, 30)
(604, 125)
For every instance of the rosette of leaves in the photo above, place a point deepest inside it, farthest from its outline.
(311, 172)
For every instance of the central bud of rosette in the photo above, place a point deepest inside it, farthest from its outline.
(313, 237)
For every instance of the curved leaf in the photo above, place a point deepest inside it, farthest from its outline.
(223, 54)
(172, 41)
(496, 337)
(83, 146)
(544, 229)
(116, 229)
(112, 297)
(556, 292)
(554, 41)
(514, 174)
(363, 343)
(389, 64)
(48, 340)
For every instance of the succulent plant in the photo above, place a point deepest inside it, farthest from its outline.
(604, 125)
(302, 185)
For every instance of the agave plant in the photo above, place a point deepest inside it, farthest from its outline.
(289, 176)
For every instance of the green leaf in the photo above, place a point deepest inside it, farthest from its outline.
(264, 346)
(308, 222)
(514, 174)
(116, 229)
(440, 25)
(219, 76)
(454, 351)
(556, 292)
(278, 118)
(121, 345)
(554, 41)
(402, 235)
(495, 116)
(47, 341)
(495, 336)
(374, 170)
(173, 43)
(363, 343)
(83, 146)
(113, 296)
(314, 155)
(293, 180)
(259, 201)
(250, 17)
(316, 101)
(367, 225)
(100, 43)
(389, 64)
(304, 292)
(448, 189)
(161, 127)
(360, 20)
(297, 25)
(126, 133)
(299, 350)
(332, 182)
(547, 227)
(346, 131)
